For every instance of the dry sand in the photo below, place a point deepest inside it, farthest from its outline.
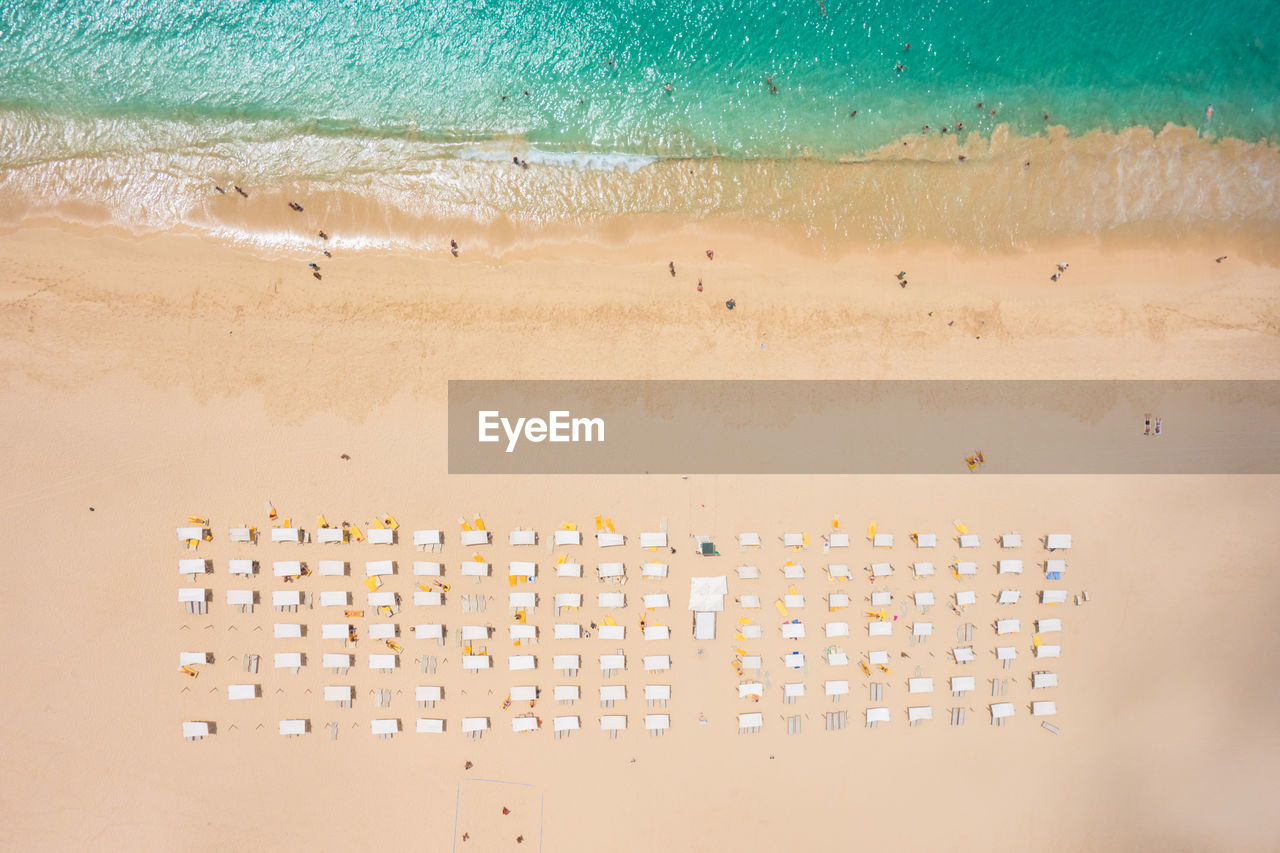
(151, 380)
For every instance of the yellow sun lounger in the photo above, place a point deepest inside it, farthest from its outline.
(835, 523)
(608, 620)
(599, 524)
(561, 559)
(744, 620)
(871, 530)
(355, 533)
(520, 616)
(805, 541)
(320, 521)
(477, 558)
(479, 523)
(511, 580)
(462, 522)
(961, 528)
(781, 609)
(186, 670)
(372, 583)
(375, 525)
(391, 522)
(195, 519)
(568, 525)
(608, 522)
(971, 462)
(791, 590)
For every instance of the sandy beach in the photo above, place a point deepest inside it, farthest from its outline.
(154, 379)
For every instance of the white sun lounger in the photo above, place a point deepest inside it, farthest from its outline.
(379, 568)
(286, 568)
(237, 692)
(292, 728)
(333, 598)
(916, 714)
(1000, 710)
(329, 535)
(192, 567)
(425, 538)
(793, 630)
(653, 570)
(240, 567)
(335, 660)
(335, 631)
(568, 537)
(565, 663)
(1041, 680)
(380, 536)
(877, 715)
(287, 660)
(471, 538)
(1058, 541)
(286, 534)
(653, 540)
(195, 730)
(522, 570)
(472, 569)
(522, 537)
(428, 631)
(338, 693)
(568, 599)
(836, 629)
(609, 540)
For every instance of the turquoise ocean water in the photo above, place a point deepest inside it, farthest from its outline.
(127, 111)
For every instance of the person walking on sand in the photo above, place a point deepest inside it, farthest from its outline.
(324, 236)
(242, 192)
(1219, 260)
(699, 285)
(453, 248)
(730, 303)
(671, 265)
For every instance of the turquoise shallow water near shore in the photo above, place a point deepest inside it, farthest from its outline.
(109, 106)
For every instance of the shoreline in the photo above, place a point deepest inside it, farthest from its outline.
(1170, 187)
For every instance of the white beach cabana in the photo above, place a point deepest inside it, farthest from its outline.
(286, 534)
(610, 570)
(428, 725)
(520, 536)
(428, 631)
(239, 692)
(919, 685)
(521, 663)
(793, 630)
(926, 540)
(877, 715)
(379, 568)
(918, 713)
(1009, 596)
(427, 538)
(1001, 710)
(748, 540)
(241, 567)
(838, 540)
(882, 540)
(522, 569)
(611, 632)
(193, 567)
(330, 535)
(609, 540)
(427, 569)
(292, 728)
(380, 536)
(657, 632)
(1058, 541)
(966, 569)
(1009, 567)
(334, 598)
(1008, 626)
(471, 538)
(474, 569)
(1048, 651)
(287, 660)
(335, 631)
(969, 540)
(568, 537)
(839, 571)
(566, 631)
(194, 730)
(922, 570)
(424, 598)
(332, 568)
(962, 684)
(653, 570)
(1047, 626)
(385, 727)
(1053, 596)
(286, 569)
(966, 598)
(567, 664)
(1011, 540)
(836, 629)
(835, 688)
(879, 629)
(653, 540)
(611, 600)
(1043, 680)
(338, 693)
(568, 570)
